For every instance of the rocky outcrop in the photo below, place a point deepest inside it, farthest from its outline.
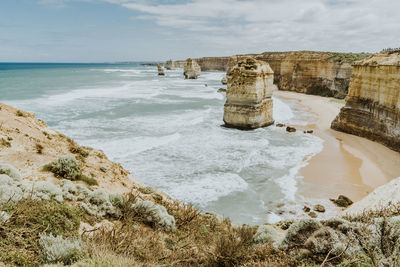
(248, 96)
(384, 197)
(373, 104)
(192, 69)
(160, 70)
(169, 65)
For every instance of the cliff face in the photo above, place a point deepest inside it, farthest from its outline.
(179, 63)
(207, 63)
(373, 104)
(315, 73)
(213, 63)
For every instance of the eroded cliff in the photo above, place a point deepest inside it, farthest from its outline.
(316, 73)
(213, 63)
(207, 63)
(373, 104)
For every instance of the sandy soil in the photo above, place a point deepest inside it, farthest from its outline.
(20, 137)
(348, 164)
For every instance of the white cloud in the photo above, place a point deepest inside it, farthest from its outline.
(351, 25)
(240, 26)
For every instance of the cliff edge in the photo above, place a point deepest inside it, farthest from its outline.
(28, 144)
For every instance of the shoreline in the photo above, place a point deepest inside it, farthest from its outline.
(348, 164)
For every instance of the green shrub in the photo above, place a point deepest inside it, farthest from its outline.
(79, 150)
(65, 167)
(68, 167)
(19, 113)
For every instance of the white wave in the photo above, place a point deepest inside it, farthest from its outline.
(300, 157)
(128, 90)
(202, 189)
(123, 148)
(122, 70)
(213, 76)
(282, 112)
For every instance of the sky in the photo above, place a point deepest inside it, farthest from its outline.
(150, 30)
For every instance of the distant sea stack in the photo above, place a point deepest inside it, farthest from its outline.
(169, 65)
(192, 69)
(373, 104)
(160, 70)
(248, 96)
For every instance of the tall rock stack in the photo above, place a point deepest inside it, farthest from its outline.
(169, 65)
(191, 69)
(373, 103)
(248, 97)
(160, 70)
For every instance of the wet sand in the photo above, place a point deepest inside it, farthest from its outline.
(348, 164)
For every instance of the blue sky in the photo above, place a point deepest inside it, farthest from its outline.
(136, 30)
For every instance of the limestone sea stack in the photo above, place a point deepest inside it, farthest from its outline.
(372, 107)
(160, 70)
(248, 97)
(191, 69)
(169, 65)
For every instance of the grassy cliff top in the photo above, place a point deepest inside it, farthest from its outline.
(333, 56)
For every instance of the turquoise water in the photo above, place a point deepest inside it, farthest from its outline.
(167, 132)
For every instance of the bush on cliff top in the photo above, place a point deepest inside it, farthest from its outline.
(68, 167)
(65, 167)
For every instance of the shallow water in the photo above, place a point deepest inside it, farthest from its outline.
(167, 132)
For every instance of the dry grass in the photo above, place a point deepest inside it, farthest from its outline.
(199, 240)
(19, 236)
(387, 249)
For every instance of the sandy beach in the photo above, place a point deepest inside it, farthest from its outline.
(348, 164)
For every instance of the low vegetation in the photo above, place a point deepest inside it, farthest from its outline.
(348, 57)
(68, 167)
(28, 218)
(333, 56)
(69, 223)
(20, 113)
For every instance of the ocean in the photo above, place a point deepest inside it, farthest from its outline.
(167, 131)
